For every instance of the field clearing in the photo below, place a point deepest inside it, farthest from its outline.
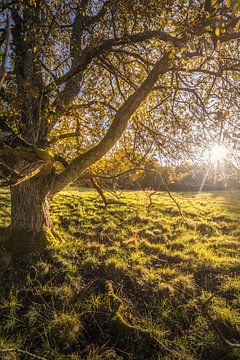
(129, 281)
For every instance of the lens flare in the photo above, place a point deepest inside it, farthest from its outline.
(218, 153)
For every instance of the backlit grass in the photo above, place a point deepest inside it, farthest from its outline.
(129, 281)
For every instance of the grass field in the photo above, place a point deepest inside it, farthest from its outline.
(133, 281)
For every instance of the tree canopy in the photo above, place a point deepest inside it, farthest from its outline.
(81, 77)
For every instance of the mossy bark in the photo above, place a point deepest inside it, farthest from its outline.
(30, 216)
(29, 205)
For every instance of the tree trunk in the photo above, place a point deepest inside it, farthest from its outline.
(30, 216)
(29, 206)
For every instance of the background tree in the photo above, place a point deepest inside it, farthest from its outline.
(82, 73)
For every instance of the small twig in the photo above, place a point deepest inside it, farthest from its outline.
(152, 171)
(117, 175)
(24, 352)
(172, 197)
(150, 199)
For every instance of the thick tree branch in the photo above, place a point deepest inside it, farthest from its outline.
(83, 58)
(91, 53)
(230, 36)
(99, 190)
(119, 124)
(9, 176)
(61, 160)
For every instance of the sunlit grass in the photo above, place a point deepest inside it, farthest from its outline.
(127, 282)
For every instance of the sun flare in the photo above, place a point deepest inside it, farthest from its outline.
(218, 153)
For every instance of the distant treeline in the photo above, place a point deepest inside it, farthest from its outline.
(180, 178)
(186, 178)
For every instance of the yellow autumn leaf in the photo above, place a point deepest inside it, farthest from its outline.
(229, 3)
(183, 49)
(32, 3)
(217, 32)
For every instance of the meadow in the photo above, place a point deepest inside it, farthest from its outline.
(148, 277)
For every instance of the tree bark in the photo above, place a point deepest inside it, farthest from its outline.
(30, 228)
(30, 207)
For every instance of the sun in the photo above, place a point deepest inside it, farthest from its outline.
(218, 153)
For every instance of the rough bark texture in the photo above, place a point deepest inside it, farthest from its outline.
(30, 228)
(30, 207)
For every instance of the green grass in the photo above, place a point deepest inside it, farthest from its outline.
(129, 281)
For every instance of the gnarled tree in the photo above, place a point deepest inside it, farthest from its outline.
(81, 72)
